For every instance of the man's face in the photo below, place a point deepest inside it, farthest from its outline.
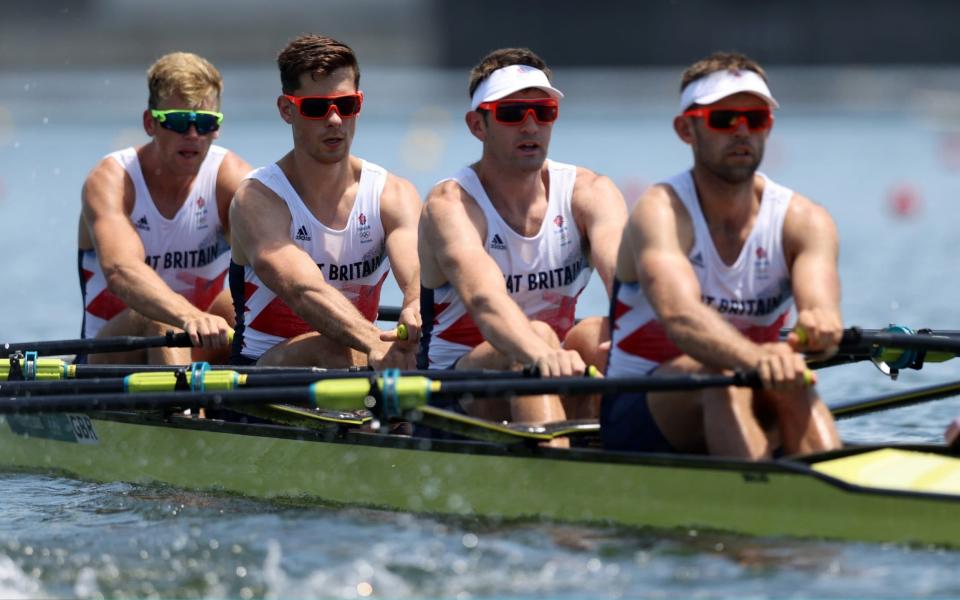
(732, 155)
(522, 145)
(326, 139)
(183, 153)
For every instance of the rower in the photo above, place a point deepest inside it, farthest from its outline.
(508, 244)
(711, 262)
(316, 233)
(153, 251)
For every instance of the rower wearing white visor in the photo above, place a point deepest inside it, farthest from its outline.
(711, 263)
(508, 243)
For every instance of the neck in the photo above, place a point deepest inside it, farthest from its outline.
(166, 185)
(726, 204)
(319, 182)
(511, 190)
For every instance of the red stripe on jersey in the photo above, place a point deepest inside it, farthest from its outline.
(650, 342)
(367, 298)
(106, 305)
(463, 331)
(619, 309)
(770, 333)
(205, 291)
(277, 319)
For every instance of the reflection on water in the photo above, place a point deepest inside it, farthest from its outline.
(852, 140)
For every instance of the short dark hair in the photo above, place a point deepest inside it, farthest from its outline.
(314, 54)
(504, 57)
(718, 61)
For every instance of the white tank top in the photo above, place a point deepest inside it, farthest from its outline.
(352, 259)
(544, 274)
(754, 293)
(189, 251)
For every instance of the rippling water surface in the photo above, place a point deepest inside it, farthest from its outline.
(855, 152)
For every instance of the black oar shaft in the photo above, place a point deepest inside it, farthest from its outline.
(153, 401)
(111, 344)
(883, 402)
(585, 385)
(936, 341)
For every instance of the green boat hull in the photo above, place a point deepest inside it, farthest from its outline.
(780, 498)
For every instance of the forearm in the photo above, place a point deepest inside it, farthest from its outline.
(329, 312)
(503, 324)
(145, 292)
(705, 336)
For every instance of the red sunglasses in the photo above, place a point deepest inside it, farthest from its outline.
(728, 119)
(514, 112)
(319, 107)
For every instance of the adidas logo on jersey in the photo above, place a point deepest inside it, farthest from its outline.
(497, 242)
(302, 234)
(697, 260)
(142, 223)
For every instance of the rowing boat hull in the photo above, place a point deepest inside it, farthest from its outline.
(482, 479)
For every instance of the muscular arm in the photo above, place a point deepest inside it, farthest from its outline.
(261, 237)
(653, 238)
(232, 171)
(121, 254)
(400, 211)
(599, 209)
(451, 249)
(811, 245)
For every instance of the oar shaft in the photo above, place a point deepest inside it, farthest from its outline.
(586, 385)
(896, 400)
(153, 401)
(111, 344)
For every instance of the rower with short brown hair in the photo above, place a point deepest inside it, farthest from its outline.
(711, 262)
(316, 233)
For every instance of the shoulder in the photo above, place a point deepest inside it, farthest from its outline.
(399, 189)
(232, 164)
(107, 179)
(659, 200)
(805, 215)
(253, 195)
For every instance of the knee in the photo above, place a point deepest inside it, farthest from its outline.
(546, 333)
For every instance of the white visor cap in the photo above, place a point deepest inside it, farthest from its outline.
(509, 80)
(720, 84)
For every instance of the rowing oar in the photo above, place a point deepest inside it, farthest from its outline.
(882, 402)
(202, 379)
(124, 343)
(387, 396)
(96, 345)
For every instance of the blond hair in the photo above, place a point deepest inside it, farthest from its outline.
(184, 74)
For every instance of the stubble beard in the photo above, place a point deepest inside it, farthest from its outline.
(729, 173)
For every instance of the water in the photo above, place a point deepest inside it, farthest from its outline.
(849, 139)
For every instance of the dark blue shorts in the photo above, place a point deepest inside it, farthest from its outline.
(627, 424)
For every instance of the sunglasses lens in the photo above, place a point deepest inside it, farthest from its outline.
(315, 108)
(180, 122)
(206, 124)
(516, 113)
(757, 119)
(727, 120)
(347, 106)
(319, 108)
